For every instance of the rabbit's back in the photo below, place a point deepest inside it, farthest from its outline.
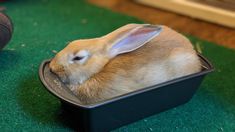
(168, 56)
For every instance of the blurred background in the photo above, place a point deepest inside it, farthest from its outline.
(212, 20)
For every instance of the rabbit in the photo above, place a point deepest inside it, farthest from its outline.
(130, 58)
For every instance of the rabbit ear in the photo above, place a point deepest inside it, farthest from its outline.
(133, 39)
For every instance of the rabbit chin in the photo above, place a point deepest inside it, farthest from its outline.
(76, 80)
(73, 87)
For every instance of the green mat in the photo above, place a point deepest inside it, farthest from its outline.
(43, 26)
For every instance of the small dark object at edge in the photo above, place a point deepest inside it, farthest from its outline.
(6, 29)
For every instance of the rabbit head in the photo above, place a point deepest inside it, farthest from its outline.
(81, 59)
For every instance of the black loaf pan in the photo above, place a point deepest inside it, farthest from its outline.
(121, 110)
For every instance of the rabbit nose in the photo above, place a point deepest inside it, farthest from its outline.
(52, 67)
(51, 70)
(56, 69)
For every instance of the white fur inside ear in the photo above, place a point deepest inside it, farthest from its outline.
(134, 39)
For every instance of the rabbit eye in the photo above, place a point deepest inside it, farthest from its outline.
(77, 58)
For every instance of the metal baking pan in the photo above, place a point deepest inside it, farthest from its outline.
(122, 110)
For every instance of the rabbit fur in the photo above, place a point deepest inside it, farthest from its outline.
(99, 72)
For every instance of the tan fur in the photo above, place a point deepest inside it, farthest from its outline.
(168, 56)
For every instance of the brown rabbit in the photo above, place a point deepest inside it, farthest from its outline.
(132, 57)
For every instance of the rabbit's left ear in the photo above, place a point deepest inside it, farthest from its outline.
(133, 39)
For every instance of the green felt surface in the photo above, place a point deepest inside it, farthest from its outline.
(42, 26)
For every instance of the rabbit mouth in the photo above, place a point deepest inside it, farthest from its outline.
(62, 78)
